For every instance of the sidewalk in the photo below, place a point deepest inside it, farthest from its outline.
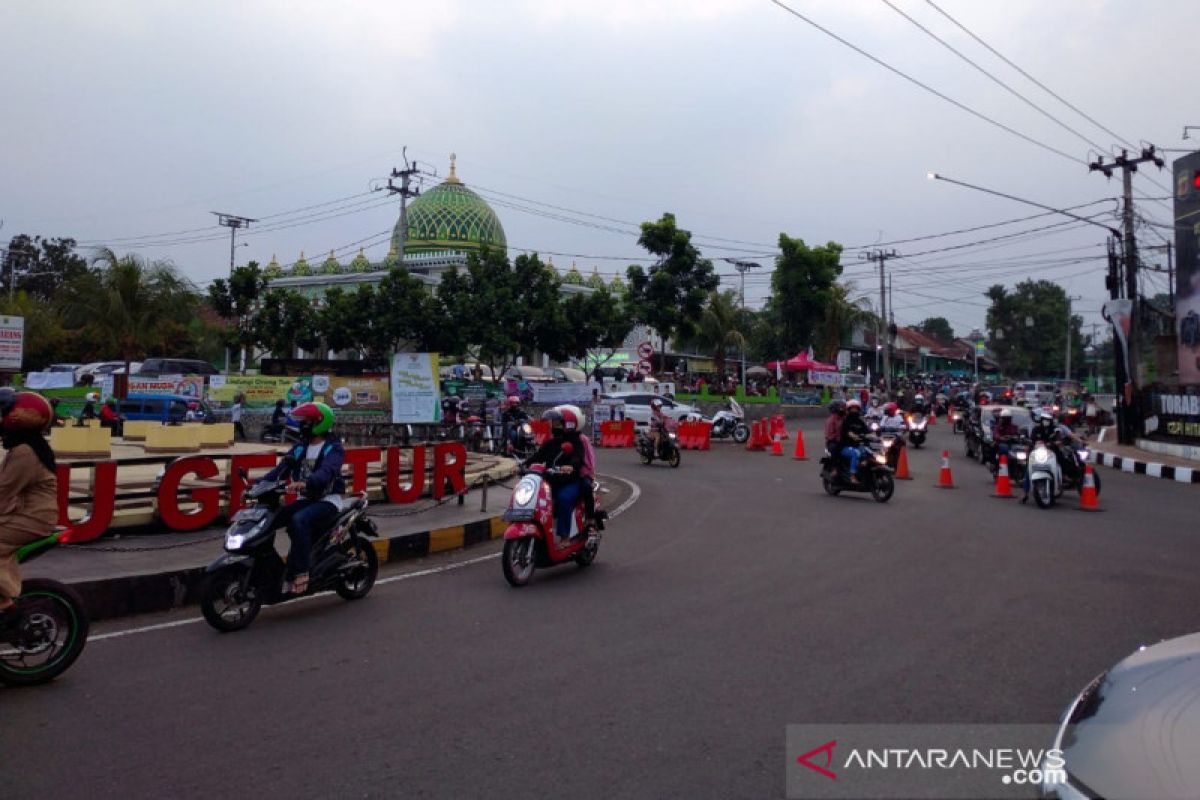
(1128, 458)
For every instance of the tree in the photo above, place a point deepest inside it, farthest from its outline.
(130, 306)
(801, 287)
(287, 320)
(671, 294)
(1028, 328)
(41, 267)
(46, 340)
(237, 301)
(376, 321)
(842, 312)
(723, 327)
(594, 321)
(937, 327)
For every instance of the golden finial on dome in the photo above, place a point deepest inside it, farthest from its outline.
(453, 178)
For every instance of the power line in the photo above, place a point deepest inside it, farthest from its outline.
(927, 87)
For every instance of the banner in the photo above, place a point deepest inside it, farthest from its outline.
(826, 378)
(12, 343)
(261, 391)
(555, 393)
(49, 380)
(414, 384)
(1119, 314)
(185, 385)
(1187, 266)
(1173, 415)
(362, 394)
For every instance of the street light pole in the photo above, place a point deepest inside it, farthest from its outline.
(742, 267)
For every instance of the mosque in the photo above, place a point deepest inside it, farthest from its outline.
(445, 225)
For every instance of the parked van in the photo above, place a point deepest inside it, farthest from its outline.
(165, 408)
(1035, 392)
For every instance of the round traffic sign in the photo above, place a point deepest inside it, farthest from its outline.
(644, 367)
(645, 350)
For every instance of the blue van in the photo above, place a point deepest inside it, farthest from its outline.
(165, 408)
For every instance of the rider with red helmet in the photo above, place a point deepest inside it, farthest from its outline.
(313, 468)
(565, 452)
(28, 486)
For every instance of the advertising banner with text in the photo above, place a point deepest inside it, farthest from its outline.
(261, 391)
(185, 385)
(415, 388)
(360, 394)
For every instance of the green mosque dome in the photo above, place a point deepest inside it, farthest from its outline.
(573, 276)
(301, 267)
(330, 266)
(451, 217)
(273, 269)
(360, 263)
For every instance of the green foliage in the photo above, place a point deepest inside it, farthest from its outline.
(723, 327)
(595, 320)
(937, 327)
(843, 311)
(377, 321)
(670, 296)
(42, 267)
(237, 301)
(1027, 329)
(801, 288)
(286, 320)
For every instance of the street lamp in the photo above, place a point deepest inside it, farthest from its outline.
(742, 267)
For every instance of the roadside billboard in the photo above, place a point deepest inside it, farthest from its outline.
(1187, 266)
(12, 343)
(416, 397)
(362, 394)
(261, 391)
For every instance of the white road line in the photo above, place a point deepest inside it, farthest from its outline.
(636, 492)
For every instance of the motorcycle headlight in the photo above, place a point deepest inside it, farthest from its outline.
(523, 493)
(671, 435)
(880, 458)
(1021, 456)
(1041, 455)
(1084, 455)
(527, 429)
(234, 541)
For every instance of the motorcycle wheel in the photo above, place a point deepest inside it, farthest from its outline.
(741, 433)
(587, 555)
(968, 453)
(646, 457)
(518, 560)
(674, 459)
(42, 635)
(1043, 495)
(830, 489)
(883, 487)
(357, 582)
(223, 603)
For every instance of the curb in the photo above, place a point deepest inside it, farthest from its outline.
(1151, 468)
(144, 594)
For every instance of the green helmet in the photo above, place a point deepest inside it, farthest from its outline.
(311, 419)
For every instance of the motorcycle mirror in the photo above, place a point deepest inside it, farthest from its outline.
(567, 448)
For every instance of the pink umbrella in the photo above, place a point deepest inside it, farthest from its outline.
(802, 363)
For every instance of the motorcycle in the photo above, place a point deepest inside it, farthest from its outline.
(668, 449)
(874, 474)
(250, 573)
(917, 425)
(1045, 475)
(958, 420)
(730, 421)
(530, 541)
(892, 441)
(525, 444)
(473, 433)
(1018, 461)
(43, 633)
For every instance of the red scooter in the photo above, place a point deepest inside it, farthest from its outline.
(530, 541)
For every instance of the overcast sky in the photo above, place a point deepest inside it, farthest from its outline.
(136, 119)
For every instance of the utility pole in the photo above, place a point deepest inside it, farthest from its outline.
(1067, 367)
(1128, 165)
(742, 267)
(234, 223)
(406, 190)
(881, 257)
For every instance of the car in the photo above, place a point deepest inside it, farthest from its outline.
(1002, 394)
(62, 368)
(1040, 393)
(165, 408)
(568, 375)
(156, 367)
(98, 369)
(637, 406)
(527, 374)
(1134, 730)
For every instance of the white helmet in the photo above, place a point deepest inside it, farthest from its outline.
(853, 404)
(1006, 413)
(93, 397)
(576, 411)
(920, 398)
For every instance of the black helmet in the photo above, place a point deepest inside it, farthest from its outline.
(837, 407)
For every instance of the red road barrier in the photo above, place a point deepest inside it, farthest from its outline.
(778, 427)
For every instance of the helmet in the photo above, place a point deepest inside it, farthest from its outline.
(1044, 418)
(1006, 413)
(985, 398)
(310, 419)
(656, 403)
(920, 398)
(93, 397)
(853, 405)
(512, 400)
(891, 408)
(837, 407)
(874, 402)
(577, 412)
(555, 418)
(24, 411)
(570, 420)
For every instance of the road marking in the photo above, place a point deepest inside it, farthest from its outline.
(635, 493)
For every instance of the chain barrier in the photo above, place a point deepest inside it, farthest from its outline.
(95, 548)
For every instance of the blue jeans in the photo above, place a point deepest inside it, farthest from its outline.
(852, 454)
(304, 519)
(565, 498)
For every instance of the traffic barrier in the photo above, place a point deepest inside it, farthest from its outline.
(945, 479)
(800, 455)
(932, 420)
(758, 435)
(541, 431)
(776, 445)
(778, 427)
(1003, 484)
(685, 435)
(1088, 499)
(705, 434)
(902, 465)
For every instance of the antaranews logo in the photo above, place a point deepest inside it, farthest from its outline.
(825, 749)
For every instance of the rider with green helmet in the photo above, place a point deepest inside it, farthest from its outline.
(313, 468)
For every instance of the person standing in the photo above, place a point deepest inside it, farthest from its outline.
(235, 416)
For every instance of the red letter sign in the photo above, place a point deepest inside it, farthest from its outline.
(443, 469)
(207, 497)
(394, 491)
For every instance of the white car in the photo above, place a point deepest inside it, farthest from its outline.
(98, 369)
(637, 406)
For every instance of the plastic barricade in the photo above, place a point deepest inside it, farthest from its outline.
(705, 435)
(778, 427)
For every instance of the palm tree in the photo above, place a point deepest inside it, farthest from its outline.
(842, 312)
(722, 327)
(128, 304)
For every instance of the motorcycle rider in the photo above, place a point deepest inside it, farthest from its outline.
(587, 488)
(512, 417)
(566, 484)
(875, 412)
(110, 418)
(918, 406)
(1005, 432)
(89, 406)
(854, 433)
(28, 483)
(1044, 431)
(658, 425)
(833, 433)
(313, 468)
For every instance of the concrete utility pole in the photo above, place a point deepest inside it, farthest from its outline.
(1067, 368)
(234, 223)
(742, 267)
(1128, 165)
(881, 256)
(406, 190)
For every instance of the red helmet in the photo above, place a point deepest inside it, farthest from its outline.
(25, 411)
(570, 419)
(891, 408)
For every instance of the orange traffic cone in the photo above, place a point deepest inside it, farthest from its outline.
(932, 419)
(799, 454)
(776, 445)
(945, 480)
(1088, 499)
(902, 466)
(1003, 484)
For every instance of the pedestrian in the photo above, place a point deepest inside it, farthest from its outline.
(235, 416)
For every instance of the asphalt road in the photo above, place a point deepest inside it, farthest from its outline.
(732, 599)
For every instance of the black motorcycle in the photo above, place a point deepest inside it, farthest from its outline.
(874, 474)
(1018, 460)
(917, 429)
(250, 574)
(43, 633)
(668, 449)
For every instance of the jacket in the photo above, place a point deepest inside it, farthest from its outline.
(551, 455)
(853, 425)
(326, 475)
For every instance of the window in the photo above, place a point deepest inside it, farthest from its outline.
(131, 407)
